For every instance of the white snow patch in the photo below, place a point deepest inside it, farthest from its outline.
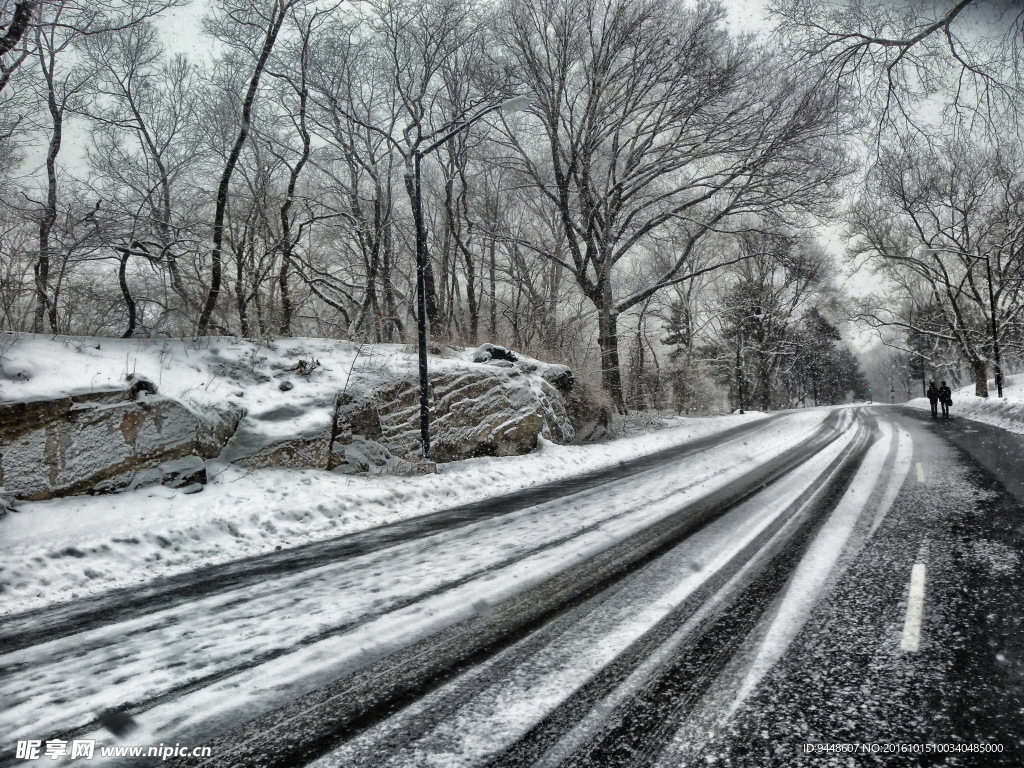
(1006, 412)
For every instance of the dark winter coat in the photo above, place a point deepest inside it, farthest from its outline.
(946, 395)
(933, 393)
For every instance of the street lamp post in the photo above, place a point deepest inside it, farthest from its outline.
(510, 105)
(992, 311)
(739, 372)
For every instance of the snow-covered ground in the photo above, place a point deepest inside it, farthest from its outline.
(53, 551)
(199, 372)
(1006, 412)
(198, 668)
(313, 626)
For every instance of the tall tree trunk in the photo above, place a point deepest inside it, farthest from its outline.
(280, 12)
(393, 322)
(20, 21)
(492, 292)
(608, 342)
(287, 241)
(49, 213)
(285, 326)
(471, 295)
(240, 300)
(979, 370)
(765, 384)
(42, 276)
(129, 302)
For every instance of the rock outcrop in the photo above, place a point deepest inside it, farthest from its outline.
(96, 442)
(187, 473)
(499, 405)
(295, 452)
(474, 412)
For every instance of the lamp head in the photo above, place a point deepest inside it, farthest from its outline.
(516, 104)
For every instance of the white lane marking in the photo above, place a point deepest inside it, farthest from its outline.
(920, 472)
(915, 610)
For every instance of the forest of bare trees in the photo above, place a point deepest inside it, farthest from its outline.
(938, 218)
(648, 218)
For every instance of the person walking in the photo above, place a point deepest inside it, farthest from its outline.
(933, 399)
(946, 398)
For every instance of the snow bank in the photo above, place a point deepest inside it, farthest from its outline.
(1006, 412)
(61, 549)
(287, 387)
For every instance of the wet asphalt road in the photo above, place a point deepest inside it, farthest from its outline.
(844, 681)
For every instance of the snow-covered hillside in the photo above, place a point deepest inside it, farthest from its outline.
(65, 548)
(299, 377)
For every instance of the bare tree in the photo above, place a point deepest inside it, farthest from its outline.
(16, 287)
(15, 49)
(62, 86)
(429, 52)
(55, 31)
(653, 117)
(945, 219)
(144, 110)
(250, 30)
(966, 53)
(20, 14)
(357, 115)
(292, 143)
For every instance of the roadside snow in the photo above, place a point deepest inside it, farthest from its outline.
(1006, 412)
(63, 549)
(310, 627)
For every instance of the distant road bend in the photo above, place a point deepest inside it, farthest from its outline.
(603, 621)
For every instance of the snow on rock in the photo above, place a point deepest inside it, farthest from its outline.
(280, 404)
(1006, 412)
(486, 353)
(97, 441)
(560, 377)
(479, 411)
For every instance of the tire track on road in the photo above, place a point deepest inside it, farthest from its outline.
(317, 721)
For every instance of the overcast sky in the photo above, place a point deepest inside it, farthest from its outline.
(180, 29)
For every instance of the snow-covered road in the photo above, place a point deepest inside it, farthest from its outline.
(491, 707)
(291, 633)
(538, 632)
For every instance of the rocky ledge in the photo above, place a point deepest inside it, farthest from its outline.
(491, 402)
